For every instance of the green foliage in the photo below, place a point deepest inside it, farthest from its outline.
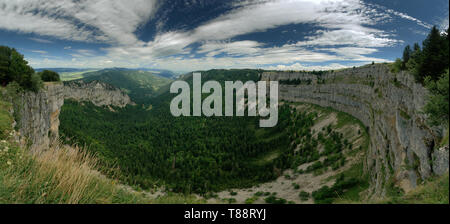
(406, 56)
(13, 68)
(437, 107)
(49, 76)
(251, 200)
(435, 55)
(348, 186)
(433, 59)
(5, 118)
(430, 61)
(304, 196)
(187, 154)
(396, 67)
(272, 199)
(434, 191)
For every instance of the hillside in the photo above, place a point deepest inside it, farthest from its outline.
(140, 85)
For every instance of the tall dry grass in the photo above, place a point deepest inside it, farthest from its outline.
(59, 174)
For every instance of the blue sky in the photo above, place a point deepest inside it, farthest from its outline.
(186, 35)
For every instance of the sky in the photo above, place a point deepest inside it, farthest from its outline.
(188, 35)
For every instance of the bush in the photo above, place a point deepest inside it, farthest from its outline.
(274, 200)
(251, 200)
(396, 67)
(304, 196)
(326, 195)
(49, 76)
(438, 105)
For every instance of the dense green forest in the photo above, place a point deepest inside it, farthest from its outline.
(189, 154)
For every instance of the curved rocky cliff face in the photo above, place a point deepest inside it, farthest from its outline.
(39, 112)
(389, 105)
(99, 93)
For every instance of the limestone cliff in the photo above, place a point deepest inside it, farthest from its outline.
(99, 93)
(389, 105)
(38, 113)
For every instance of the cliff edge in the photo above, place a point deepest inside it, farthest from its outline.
(402, 150)
(37, 119)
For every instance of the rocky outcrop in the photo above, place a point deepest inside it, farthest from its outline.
(389, 105)
(38, 115)
(440, 160)
(99, 93)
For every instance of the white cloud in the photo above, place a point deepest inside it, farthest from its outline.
(101, 21)
(44, 41)
(39, 51)
(300, 67)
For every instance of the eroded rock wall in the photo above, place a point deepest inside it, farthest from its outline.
(38, 113)
(390, 106)
(38, 118)
(99, 93)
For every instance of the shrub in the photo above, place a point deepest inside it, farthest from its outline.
(438, 105)
(304, 196)
(274, 200)
(49, 76)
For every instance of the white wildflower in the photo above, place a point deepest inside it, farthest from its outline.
(9, 163)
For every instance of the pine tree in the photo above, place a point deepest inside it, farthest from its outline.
(406, 56)
(434, 55)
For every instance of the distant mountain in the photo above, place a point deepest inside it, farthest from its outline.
(140, 85)
(61, 70)
(160, 72)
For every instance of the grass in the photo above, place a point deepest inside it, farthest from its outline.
(65, 175)
(5, 119)
(434, 191)
(57, 175)
(354, 193)
(444, 141)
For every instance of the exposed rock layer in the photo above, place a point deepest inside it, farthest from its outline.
(99, 93)
(39, 115)
(39, 112)
(390, 106)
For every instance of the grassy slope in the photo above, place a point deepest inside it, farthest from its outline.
(435, 191)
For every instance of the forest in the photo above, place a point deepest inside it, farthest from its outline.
(186, 154)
